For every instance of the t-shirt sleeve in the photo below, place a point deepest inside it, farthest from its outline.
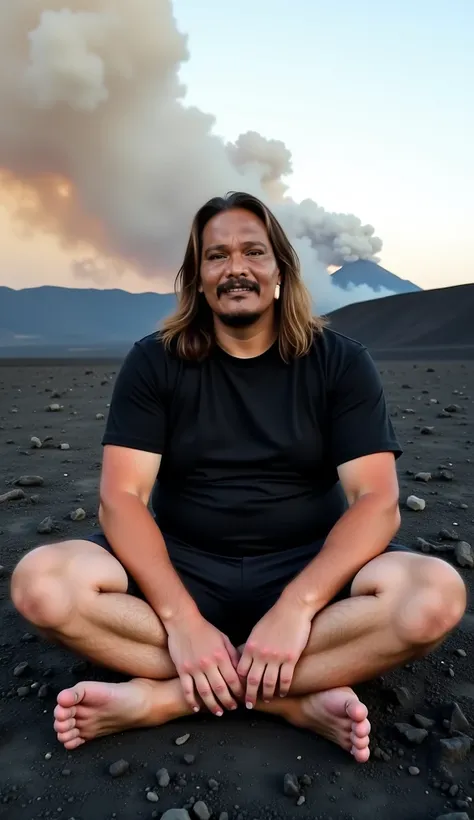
(137, 413)
(359, 421)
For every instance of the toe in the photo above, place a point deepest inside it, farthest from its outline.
(359, 742)
(64, 725)
(74, 743)
(68, 734)
(61, 713)
(361, 755)
(69, 697)
(361, 728)
(356, 710)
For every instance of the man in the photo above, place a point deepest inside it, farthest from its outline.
(265, 571)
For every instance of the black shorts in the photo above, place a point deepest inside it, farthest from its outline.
(234, 593)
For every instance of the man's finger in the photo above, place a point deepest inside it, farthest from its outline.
(234, 655)
(205, 690)
(254, 679)
(286, 678)
(189, 691)
(220, 688)
(245, 663)
(231, 677)
(270, 680)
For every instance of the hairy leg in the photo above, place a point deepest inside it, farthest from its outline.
(75, 592)
(401, 607)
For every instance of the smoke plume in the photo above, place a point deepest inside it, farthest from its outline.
(98, 148)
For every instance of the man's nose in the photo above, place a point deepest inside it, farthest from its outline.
(236, 265)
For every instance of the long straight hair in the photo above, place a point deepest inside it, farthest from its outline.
(190, 329)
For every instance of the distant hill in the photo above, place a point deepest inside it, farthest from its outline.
(363, 272)
(44, 316)
(427, 319)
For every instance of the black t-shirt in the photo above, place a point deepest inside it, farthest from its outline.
(250, 447)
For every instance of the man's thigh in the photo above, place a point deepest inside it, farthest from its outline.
(213, 582)
(266, 576)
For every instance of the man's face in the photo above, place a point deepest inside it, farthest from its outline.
(239, 272)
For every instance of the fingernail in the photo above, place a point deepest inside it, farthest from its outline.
(196, 709)
(267, 701)
(249, 705)
(219, 714)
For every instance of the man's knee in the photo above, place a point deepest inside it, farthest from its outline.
(433, 605)
(41, 590)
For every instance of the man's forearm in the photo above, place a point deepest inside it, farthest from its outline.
(362, 533)
(139, 545)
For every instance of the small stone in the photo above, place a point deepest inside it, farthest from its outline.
(413, 770)
(223, 816)
(411, 733)
(12, 495)
(43, 691)
(175, 814)
(402, 696)
(461, 653)
(21, 669)
(46, 526)
(464, 554)
(119, 768)
(423, 722)
(453, 815)
(454, 749)
(182, 739)
(416, 504)
(29, 481)
(54, 408)
(35, 443)
(290, 785)
(78, 515)
(152, 797)
(163, 778)
(201, 811)
(454, 718)
(99, 416)
(64, 446)
(424, 545)
(189, 759)
(301, 800)
(423, 477)
(427, 431)
(448, 535)
(213, 784)
(23, 691)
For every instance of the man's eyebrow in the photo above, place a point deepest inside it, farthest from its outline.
(247, 244)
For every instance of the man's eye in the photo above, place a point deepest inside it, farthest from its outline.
(256, 252)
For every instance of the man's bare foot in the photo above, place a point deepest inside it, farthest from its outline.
(336, 714)
(92, 708)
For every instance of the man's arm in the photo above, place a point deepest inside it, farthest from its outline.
(363, 532)
(126, 484)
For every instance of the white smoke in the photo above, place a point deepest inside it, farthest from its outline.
(98, 148)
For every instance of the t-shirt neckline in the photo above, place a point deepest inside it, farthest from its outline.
(250, 361)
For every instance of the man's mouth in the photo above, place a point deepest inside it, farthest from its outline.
(239, 290)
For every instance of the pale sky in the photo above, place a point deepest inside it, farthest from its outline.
(375, 101)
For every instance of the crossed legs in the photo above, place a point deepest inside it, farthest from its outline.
(401, 606)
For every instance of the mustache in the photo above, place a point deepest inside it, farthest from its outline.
(225, 287)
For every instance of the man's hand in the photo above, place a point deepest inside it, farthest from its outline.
(273, 650)
(206, 663)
